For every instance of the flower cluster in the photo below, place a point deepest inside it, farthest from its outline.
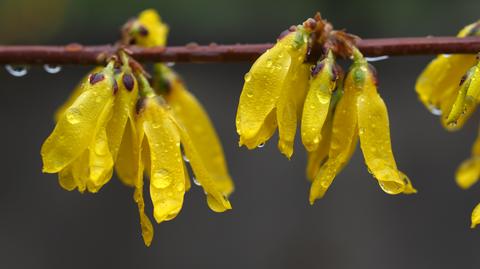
(117, 120)
(335, 111)
(450, 88)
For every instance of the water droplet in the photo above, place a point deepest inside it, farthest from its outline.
(155, 125)
(435, 110)
(324, 184)
(249, 93)
(247, 77)
(261, 145)
(17, 70)
(269, 63)
(446, 55)
(377, 59)
(170, 64)
(185, 158)
(362, 130)
(73, 116)
(196, 182)
(101, 147)
(161, 179)
(52, 69)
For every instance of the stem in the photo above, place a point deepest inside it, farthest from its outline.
(78, 54)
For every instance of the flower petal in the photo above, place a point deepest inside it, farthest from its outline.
(167, 178)
(375, 142)
(317, 103)
(343, 140)
(193, 117)
(149, 30)
(126, 164)
(475, 216)
(76, 128)
(262, 88)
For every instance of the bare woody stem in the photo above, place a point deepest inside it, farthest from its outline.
(90, 55)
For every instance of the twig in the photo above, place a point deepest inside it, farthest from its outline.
(78, 54)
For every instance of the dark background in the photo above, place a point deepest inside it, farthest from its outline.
(272, 225)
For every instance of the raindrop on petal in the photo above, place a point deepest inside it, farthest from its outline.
(261, 145)
(185, 158)
(17, 70)
(170, 64)
(435, 110)
(52, 69)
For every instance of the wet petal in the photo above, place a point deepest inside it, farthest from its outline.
(167, 178)
(375, 142)
(126, 164)
(123, 109)
(317, 104)
(267, 130)
(468, 173)
(75, 129)
(343, 139)
(262, 88)
(74, 95)
(65, 178)
(191, 114)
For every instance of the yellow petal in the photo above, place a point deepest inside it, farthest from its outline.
(468, 173)
(167, 178)
(292, 96)
(74, 95)
(81, 171)
(216, 199)
(343, 139)
(319, 156)
(375, 142)
(123, 109)
(438, 82)
(317, 103)
(76, 128)
(462, 102)
(475, 216)
(266, 131)
(145, 223)
(126, 164)
(193, 117)
(65, 178)
(409, 189)
(149, 30)
(262, 88)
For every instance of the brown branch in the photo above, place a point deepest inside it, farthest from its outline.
(78, 54)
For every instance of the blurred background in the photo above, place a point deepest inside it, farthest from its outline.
(272, 225)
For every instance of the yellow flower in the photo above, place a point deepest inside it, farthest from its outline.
(156, 143)
(437, 86)
(475, 216)
(78, 147)
(317, 102)
(149, 30)
(191, 114)
(469, 171)
(361, 113)
(274, 92)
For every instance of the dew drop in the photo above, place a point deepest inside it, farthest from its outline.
(324, 184)
(73, 116)
(196, 182)
(261, 145)
(249, 93)
(377, 59)
(435, 110)
(269, 63)
(185, 158)
(446, 55)
(170, 64)
(161, 179)
(17, 70)
(362, 130)
(101, 147)
(52, 69)
(247, 77)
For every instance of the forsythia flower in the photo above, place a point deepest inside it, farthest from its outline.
(274, 92)
(334, 113)
(438, 85)
(149, 30)
(450, 86)
(115, 120)
(360, 113)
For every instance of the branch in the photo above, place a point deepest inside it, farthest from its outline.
(78, 54)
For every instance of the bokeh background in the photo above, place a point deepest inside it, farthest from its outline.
(272, 225)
